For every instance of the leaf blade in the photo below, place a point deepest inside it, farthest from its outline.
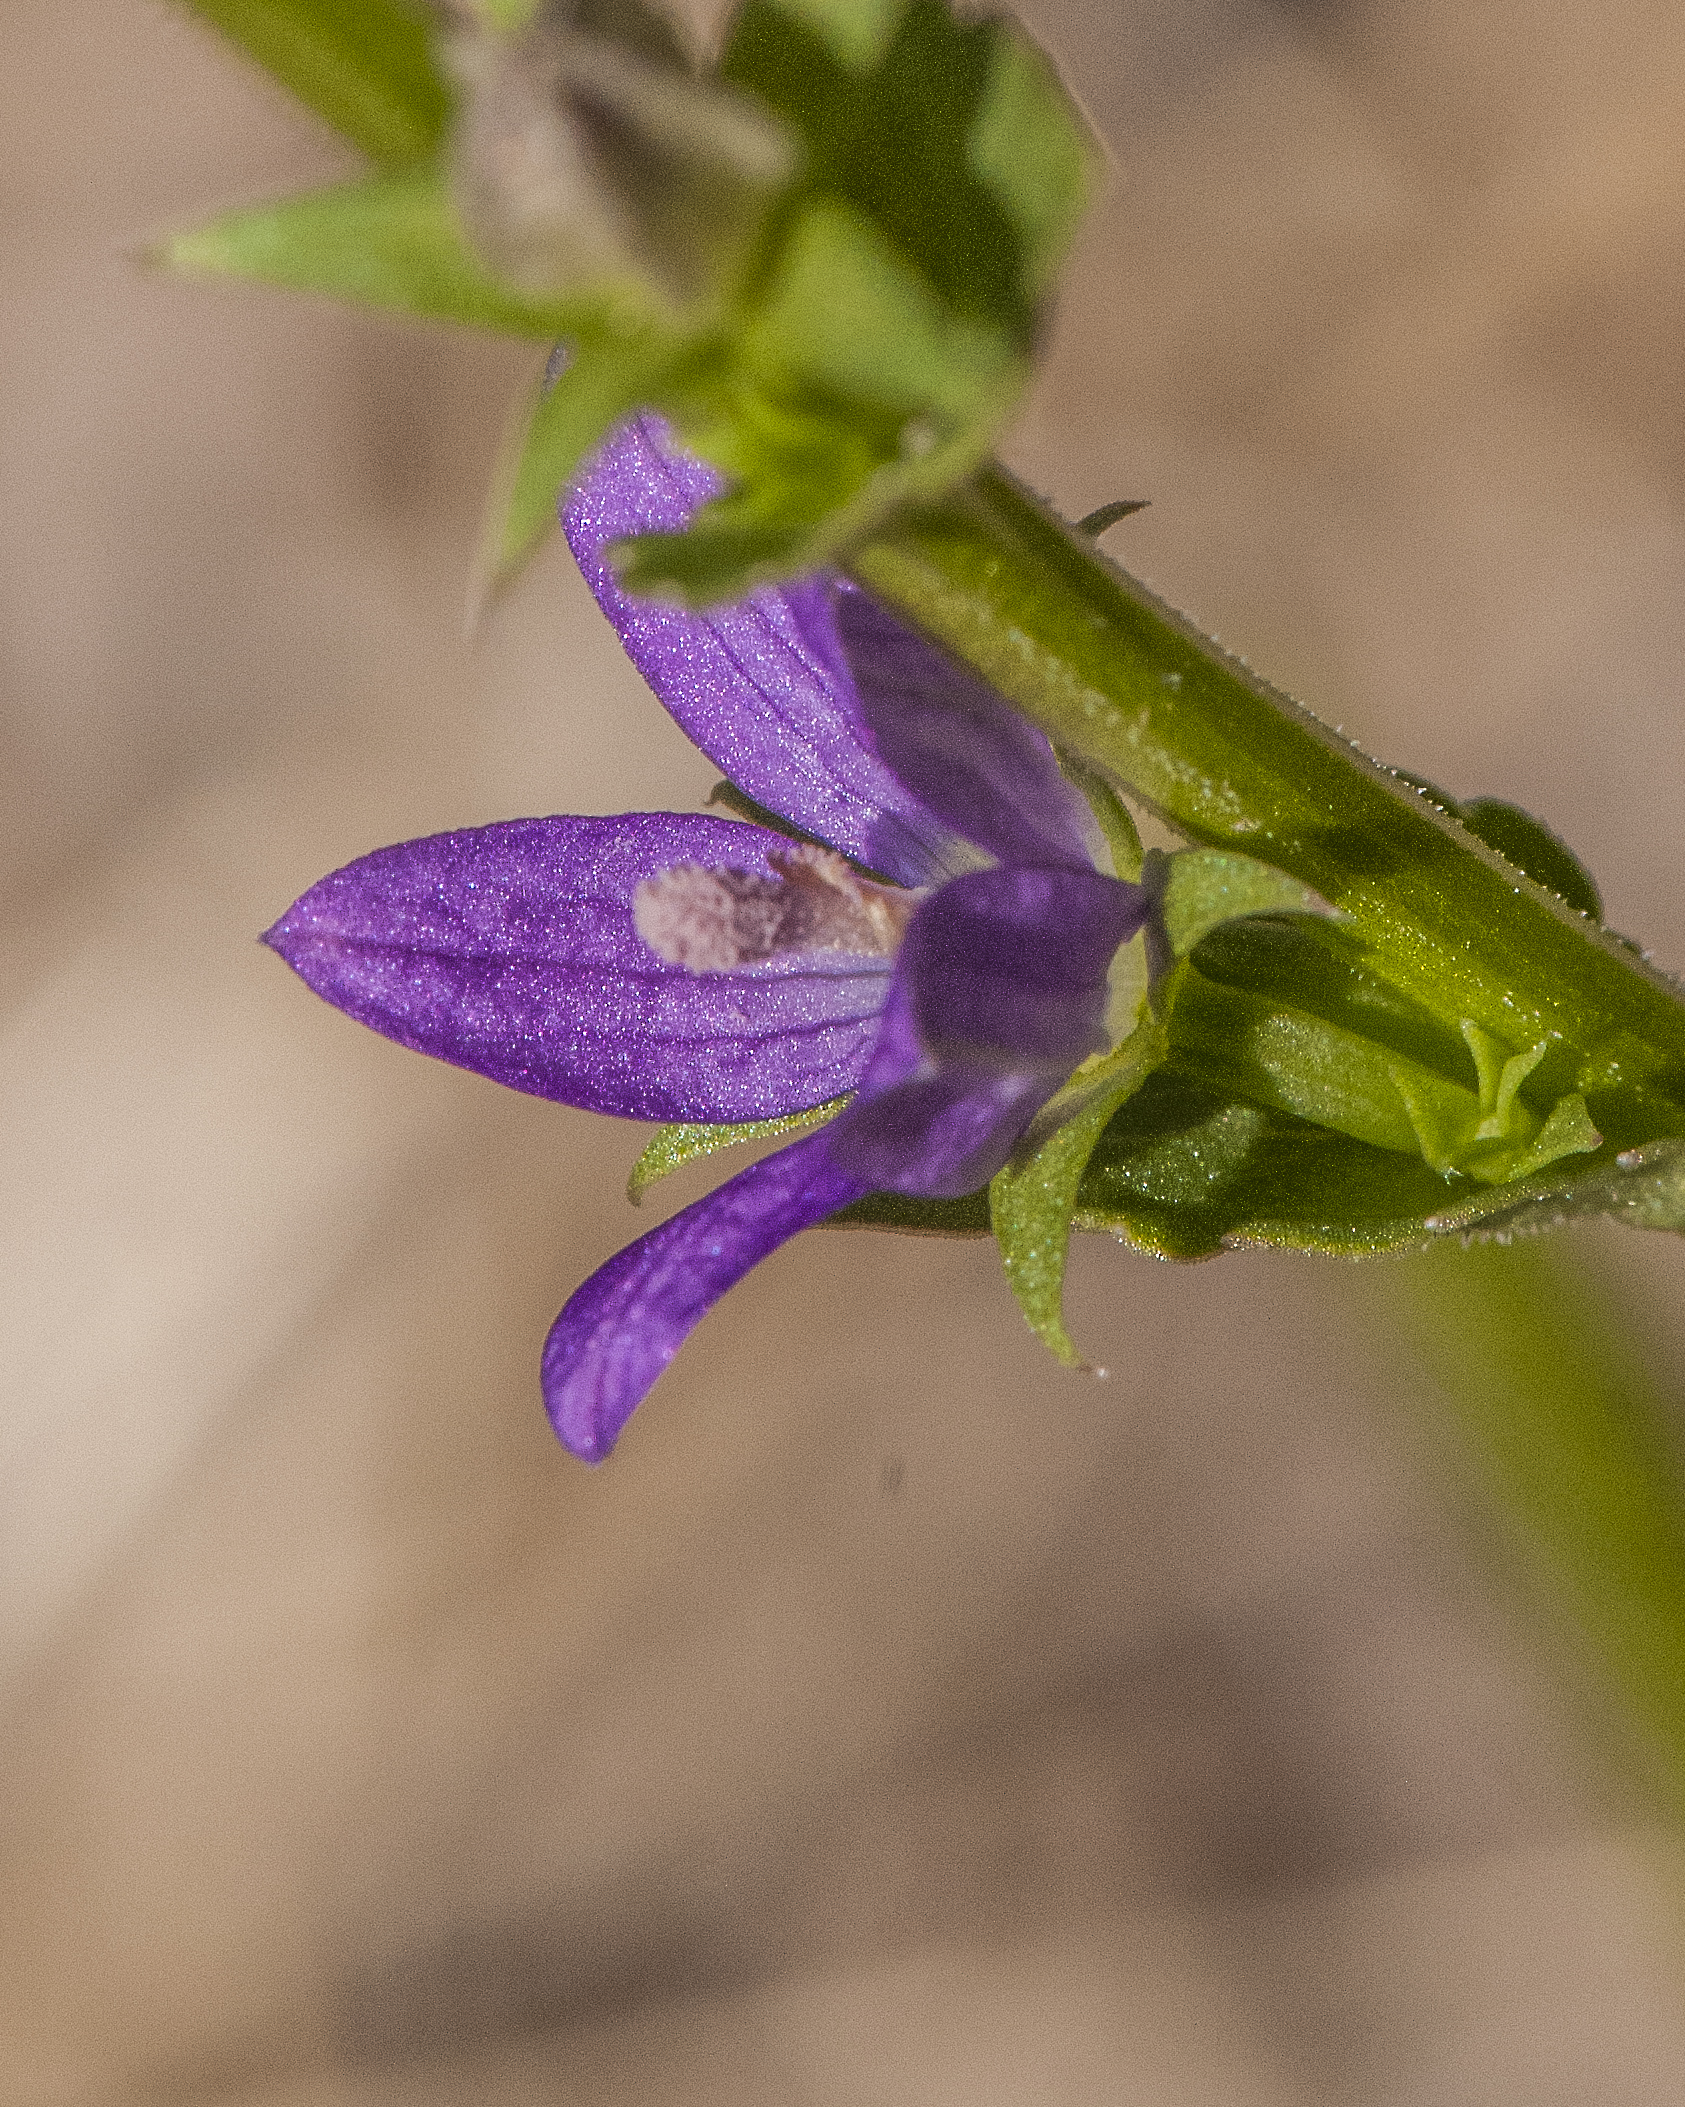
(366, 69)
(389, 241)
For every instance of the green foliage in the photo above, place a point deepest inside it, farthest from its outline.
(1441, 938)
(888, 326)
(389, 241)
(1531, 846)
(1184, 1171)
(1463, 1046)
(363, 65)
(911, 1216)
(850, 349)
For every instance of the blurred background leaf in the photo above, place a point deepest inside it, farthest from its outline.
(366, 66)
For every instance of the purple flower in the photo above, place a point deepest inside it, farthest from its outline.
(938, 945)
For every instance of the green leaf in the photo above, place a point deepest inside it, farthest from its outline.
(671, 1148)
(363, 65)
(1024, 147)
(1531, 846)
(847, 315)
(1200, 889)
(391, 241)
(857, 31)
(887, 330)
(1645, 1188)
(1032, 1199)
(1184, 1171)
(607, 376)
(1253, 1046)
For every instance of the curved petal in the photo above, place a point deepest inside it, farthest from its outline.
(1000, 992)
(619, 1331)
(511, 950)
(1009, 966)
(761, 686)
(973, 760)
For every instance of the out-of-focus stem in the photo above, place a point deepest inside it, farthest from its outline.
(1564, 1422)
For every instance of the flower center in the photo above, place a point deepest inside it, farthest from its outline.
(714, 921)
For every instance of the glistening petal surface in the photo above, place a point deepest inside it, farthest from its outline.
(511, 950)
(1000, 991)
(973, 760)
(620, 1330)
(761, 685)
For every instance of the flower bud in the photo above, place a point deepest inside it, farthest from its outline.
(589, 146)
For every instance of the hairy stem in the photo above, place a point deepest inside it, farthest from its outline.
(1111, 672)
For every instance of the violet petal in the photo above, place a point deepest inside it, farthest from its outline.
(620, 1330)
(1000, 992)
(978, 765)
(511, 950)
(760, 686)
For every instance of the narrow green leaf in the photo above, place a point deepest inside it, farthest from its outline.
(912, 1216)
(671, 1148)
(1031, 1200)
(392, 241)
(364, 65)
(1644, 1188)
(556, 426)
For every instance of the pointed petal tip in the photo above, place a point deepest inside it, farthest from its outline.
(618, 1333)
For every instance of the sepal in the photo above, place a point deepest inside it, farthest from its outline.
(670, 1148)
(1195, 891)
(1032, 1199)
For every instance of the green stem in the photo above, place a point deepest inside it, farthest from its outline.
(1114, 674)
(1565, 1425)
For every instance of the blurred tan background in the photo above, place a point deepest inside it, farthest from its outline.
(896, 1719)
